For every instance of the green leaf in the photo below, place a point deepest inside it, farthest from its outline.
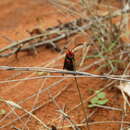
(112, 45)
(101, 95)
(102, 102)
(117, 61)
(91, 105)
(94, 100)
(2, 111)
(93, 56)
(114, 69)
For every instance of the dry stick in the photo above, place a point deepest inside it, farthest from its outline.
(15, 128)
(123, 114)
(17, 43)
(63, 117)
(55, 30)
(34, 45)
(52, 70)
(69, 76)
(109, 108)
(98, 122)
(28, 98)
(26, 111)
(20, 42)
(13, 111)
(35, 117)
(84, 27)
(36, 108)
(90, 115)
(63, 113)
(74, 126)
(122, 120)
(35, 101)
(84, 53)
(43, 90)
(51, 41)
(81, 100)
(65, 9)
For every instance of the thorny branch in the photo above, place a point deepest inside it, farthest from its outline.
(61, 31)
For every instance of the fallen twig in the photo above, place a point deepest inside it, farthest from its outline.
(61, 33)
(35, 109)
(98, 122)
(82, 104)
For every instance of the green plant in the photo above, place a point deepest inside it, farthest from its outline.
(108, 47)
(99, 99)
(2, 112)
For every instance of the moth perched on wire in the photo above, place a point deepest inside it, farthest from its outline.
(69, 61)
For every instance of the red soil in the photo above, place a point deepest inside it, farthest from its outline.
(16, 17)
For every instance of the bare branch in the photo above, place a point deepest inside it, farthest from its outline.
(52, 70)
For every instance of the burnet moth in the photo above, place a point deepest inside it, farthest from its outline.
(69, 61)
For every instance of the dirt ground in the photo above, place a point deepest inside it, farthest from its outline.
(17, 17)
